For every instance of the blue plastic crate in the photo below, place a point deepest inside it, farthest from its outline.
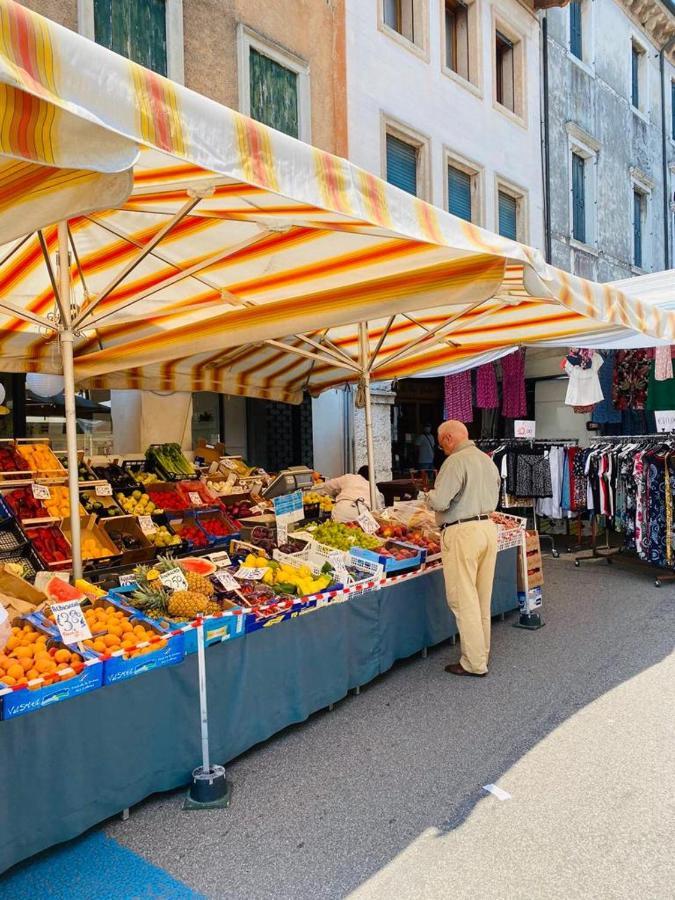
(391, 565)
(217, 629)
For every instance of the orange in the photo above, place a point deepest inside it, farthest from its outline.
(100, 646)
(89, 644)
(12, 643)
(8, 680)
(15, 671)
(32, 673)
(126, 626)
(139, 630)
(4, 661)
(115, 629)
(23, 652)
(26, 664)
(111, 640)
(62, 656)
(45, 665)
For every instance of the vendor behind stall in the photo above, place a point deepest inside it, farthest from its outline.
(352, 495)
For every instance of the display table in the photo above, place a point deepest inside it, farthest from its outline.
(72, 765)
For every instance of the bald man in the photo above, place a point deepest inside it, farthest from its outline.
(466, 491)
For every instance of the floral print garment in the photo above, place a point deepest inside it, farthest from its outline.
(631, 375)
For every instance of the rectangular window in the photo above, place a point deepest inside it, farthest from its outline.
(273, 93)
(635, 75)
(457, 37)
(508, 216)
(672, 110)
(505, 69)
(459, 193)
(638, 213)
(402, 164)
(135, 30)
(576, 34)
(400, 16)
(578, 198)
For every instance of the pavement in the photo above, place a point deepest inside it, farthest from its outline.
(385, 795)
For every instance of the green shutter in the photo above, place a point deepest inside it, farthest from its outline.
(635, 76)
(508, 216)
(133, 29)
(637, 229)
(578, 199)
(274, 94)
(576, 41)
(459, 193)
(401, 164)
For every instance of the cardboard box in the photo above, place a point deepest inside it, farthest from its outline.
(209, 452)
(530, 566)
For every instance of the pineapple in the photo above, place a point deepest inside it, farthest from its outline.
(189, 604)
(151, 599)
(199, 584)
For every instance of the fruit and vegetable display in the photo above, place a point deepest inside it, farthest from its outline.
(40, 458)
(170, 460)
(216, 525)
(190, 532)
(137, 503)
(156, 601)
(167, 496)
(123, 540)
(50, 544)
(58, 505)
(114, 629)
(145, 477)
(162, 537)
(103, 507)
(343, 537)
(284, 578)
(114, 474)
(11, 461)
(322, 502)
(30, 653)
(240, 509)
(24, 505)
(426, 540)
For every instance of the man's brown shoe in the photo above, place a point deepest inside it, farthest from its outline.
(458, 669)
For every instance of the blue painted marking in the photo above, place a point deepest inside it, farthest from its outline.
(92, 866)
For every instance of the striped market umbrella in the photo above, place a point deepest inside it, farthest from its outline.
(151, 238)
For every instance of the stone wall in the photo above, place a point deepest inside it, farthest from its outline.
(382, 399)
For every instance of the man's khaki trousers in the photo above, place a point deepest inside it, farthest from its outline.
(469, 556)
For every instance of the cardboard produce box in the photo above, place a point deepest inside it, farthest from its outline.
(530, 567)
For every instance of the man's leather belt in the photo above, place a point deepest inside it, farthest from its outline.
(460, 521)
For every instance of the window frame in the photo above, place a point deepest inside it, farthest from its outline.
(519, 48)
(642, 109)
(175, 52)
(641, 183)
(420, 48)
(397, 129)
(587, 60)
(476, 173)
(474, 82)
(248, 39)
(582, 144)
(520, 195)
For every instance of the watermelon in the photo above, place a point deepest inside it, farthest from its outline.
(198, 565)
(58, 591)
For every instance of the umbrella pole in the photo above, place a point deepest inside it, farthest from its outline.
(365, 375)
(66, 338)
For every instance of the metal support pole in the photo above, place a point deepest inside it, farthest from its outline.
(203, 711)
(365, 374)
(66, 337)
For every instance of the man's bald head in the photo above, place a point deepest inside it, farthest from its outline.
(451, 434)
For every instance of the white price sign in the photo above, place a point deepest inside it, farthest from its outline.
(174, 579)
(367, 523)
(665, 420)
(524, 428)
(221, 559)
(227, 581)
(126, 580)
(250, 573)
(71, 622)
(195, 498)
(337, 562)
(147, 525)
(282, 531)
(41, 492)
(104, 490)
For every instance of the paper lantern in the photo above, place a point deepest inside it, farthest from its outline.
(44, 385)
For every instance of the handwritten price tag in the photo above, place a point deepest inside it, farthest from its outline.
(174, 579)
(221, 559)
(147, 525)
(41, 492)
(104, 490)
(282, 531)
(227, 581)
(524, 428)
(665, 420)
(195, 498)
(70, 621)
(249, 573)
(367, 523)
(126, 580)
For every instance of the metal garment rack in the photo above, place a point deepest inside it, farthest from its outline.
(546, 443)
(620, 553)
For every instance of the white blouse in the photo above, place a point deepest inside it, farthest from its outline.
(584, 386)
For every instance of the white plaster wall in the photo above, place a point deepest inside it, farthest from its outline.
(328, 433)
(385, 77)
(141, 418)
(235, 426)
(554, 419)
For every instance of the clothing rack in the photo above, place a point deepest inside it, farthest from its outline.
(621, 554)
(490, 443)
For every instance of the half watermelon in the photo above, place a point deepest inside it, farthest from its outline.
(198, 565)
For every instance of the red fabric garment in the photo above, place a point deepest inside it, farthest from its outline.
(514, 402)
(458, 401)
(487, 395)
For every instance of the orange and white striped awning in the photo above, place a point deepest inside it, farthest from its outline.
(209, 252)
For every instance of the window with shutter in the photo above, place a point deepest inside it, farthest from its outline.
(132, 29)
(578, 198)
(635, 76)
(638, 201)
(508, 216)
(505, 71)
(576, 37)
(273, 93)
(457, 37)
(401, 16)
(672, 110)
(459, 193)
(402, 164)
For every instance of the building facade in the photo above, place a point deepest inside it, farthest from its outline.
(611, 136)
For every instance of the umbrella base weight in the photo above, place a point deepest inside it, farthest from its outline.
(529, 621)
(209, 789)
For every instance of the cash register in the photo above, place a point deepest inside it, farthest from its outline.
(295, 478)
